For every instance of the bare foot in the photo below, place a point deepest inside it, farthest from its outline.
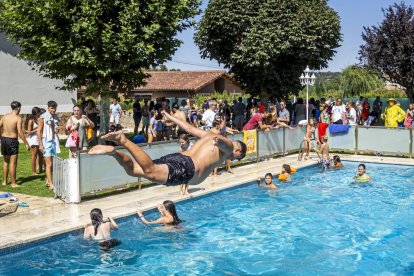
(230, 171)
(51, 187)
(291, 127)
(101, 149)
(4, 184)
(35, 174)
(15, 185)
(117, 137)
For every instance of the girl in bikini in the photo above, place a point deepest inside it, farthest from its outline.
(309, 136)
(168, 216)
(100, 230)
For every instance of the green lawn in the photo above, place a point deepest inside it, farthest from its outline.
(32, 185)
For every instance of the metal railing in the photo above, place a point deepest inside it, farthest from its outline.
(60, 177)
(93, 173)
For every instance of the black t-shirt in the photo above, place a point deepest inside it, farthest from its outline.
(137, 106)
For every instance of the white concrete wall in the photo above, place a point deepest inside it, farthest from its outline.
(18, 82)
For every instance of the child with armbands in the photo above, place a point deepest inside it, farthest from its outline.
(285, 173)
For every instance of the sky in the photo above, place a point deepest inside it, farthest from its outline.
(354, 15)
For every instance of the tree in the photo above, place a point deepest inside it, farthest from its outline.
(389, 47)
(99, 44)
(356, 81)
(267, 44)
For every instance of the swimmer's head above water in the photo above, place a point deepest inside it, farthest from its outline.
(286, 168)
(97, 218)
(361, 170)
(169, 206)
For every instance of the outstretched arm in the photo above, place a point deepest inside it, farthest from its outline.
(185, 126)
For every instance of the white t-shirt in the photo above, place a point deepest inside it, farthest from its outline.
(115, 109)
(352, 117)
(208, 118)
(337, 111)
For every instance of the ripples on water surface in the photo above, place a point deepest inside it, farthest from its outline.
(321, 223)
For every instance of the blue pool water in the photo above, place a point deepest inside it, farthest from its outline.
(321, 223)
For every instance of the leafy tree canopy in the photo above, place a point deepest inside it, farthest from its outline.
(268, 43)
(389, 47)
(101, 44)
(356, 81)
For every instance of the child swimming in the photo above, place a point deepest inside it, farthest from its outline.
(100, 229)
(168, 215)
(285, 173)
(337, 164)
(268, 183)
(361, 175)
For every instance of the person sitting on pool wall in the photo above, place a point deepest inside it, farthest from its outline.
(337, 164)
(361, 175)
(168, 215)
(100, 229)
(268, 183)
(190, 167)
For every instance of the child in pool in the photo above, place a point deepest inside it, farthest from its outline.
(168, 215)
(337, 164)
(285, 173)
(268, 183)
(100, 229)
(361, 175)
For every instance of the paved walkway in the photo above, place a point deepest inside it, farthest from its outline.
(47, 217)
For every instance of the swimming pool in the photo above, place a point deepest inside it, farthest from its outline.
(321, 223)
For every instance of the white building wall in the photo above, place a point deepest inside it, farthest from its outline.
(18, 82)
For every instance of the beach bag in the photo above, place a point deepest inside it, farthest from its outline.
(73, 140)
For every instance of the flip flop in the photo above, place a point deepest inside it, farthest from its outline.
(23, 204)
(15, 185)
(14, 199)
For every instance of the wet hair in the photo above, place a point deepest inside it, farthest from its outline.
(51, 104)
(269, 174)
(337, 159)
(362, 165)
(170, 207)
(243, 149)
(15, 105)
(97, 219)
(42, 110)
(286, 167)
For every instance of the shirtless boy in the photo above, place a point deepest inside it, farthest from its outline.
(190, 167)
(11, 124)
(324, 151)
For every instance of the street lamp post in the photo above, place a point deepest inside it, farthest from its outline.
(307, 78)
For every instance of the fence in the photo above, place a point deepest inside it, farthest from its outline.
(91, 173)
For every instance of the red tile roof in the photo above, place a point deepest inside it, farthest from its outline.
(180, 80)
